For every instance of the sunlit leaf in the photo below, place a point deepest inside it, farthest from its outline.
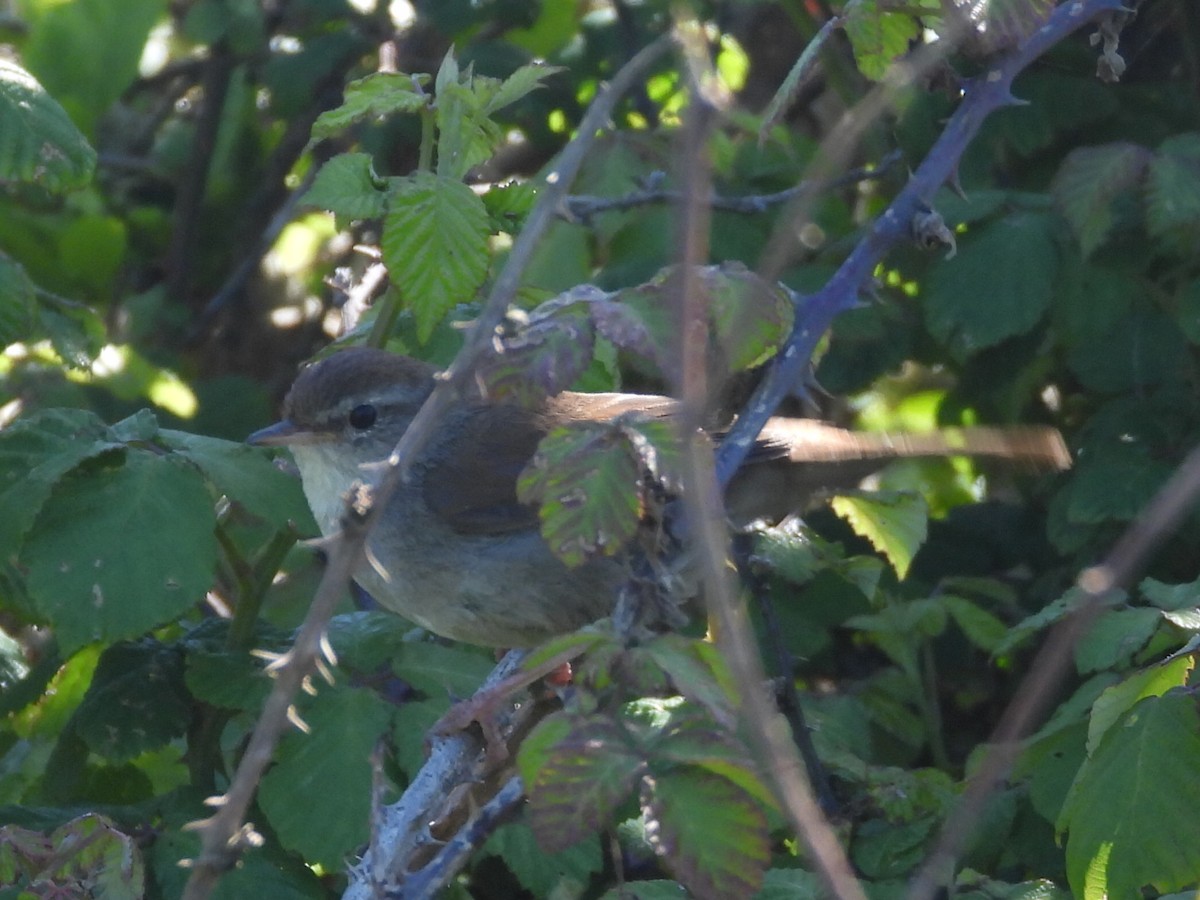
(517, 85)
(1118, 699)
(435, 246)
(373, 98)
(348, 187)
(878, 37)
(1132, 808)
(895, 523)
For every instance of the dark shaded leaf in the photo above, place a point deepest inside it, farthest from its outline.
(318, 794)
(1088, 181)
(118, 549)
(998, 285)
(136, 702)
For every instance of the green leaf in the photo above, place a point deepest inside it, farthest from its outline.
(1116, 636)
(1051, 613)
(86, 53)
(348, 187)
(1117, 700)
(136, 701)
(38, 141)
(1129, 817)
(441, 672)
(751, 317)
(317, 796)
(710, 832)
(586, 478)
(247, 477)
(373, 98)
(998, 285)
(1088, 181)
(435, 246)
(696, 741)
(35, 452)
(89, 849)
(1116, 360)
(1114, 485)
(982, 628)
(895, 523)
(878, 37)
(120, 548)
(1173, 188)
(18, 311)
(546, 354)
(890, 850)
(543, 874)
(698, 671)
(577, 771)
(520, 83)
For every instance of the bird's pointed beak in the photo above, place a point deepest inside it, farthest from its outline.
(286, 433)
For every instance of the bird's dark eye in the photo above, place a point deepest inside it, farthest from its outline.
(362, 416)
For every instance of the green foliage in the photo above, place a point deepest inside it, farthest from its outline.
(435, 246)
(147, 568)
(895, 524)
(40, 144)
(1129, 800)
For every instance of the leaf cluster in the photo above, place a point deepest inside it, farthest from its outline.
(148, 566)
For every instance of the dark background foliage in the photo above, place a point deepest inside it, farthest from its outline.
(176, 238)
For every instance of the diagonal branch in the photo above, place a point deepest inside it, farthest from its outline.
(990, 91)
(224, 836)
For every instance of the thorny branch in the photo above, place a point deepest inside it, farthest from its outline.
(223, 835)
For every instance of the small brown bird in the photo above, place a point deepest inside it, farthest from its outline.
(458, 554)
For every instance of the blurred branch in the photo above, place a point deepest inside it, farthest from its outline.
(982, 96)
(701, 494)
(224, 836)
(583, 207)
(189, 198)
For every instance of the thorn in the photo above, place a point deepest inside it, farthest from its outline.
(954, 182)
(327, 650)
(294, 718)
(325, 672)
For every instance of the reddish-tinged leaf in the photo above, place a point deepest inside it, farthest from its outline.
(577, 781)
(1087, 183)
(547, 354)
(587, 481)
(712, 833)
